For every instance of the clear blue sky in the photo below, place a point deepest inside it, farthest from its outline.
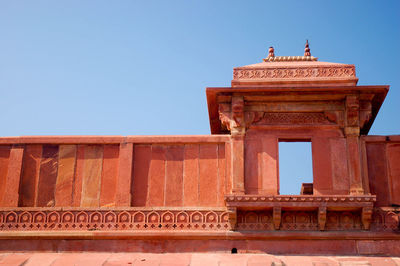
(141, 67)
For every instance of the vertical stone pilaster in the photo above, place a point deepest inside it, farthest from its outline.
(352, 132)
(11, 192)
(232, 117)
(237, 163)
(237, 141)
(269, 166)
(354, 165)
(123, 195)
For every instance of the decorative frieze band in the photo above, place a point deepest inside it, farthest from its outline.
(311, 221)
(295, 72)
(293, 118)
(28, 220)
(277, 118)
(37, 219)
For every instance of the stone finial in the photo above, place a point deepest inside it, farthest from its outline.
(272, 58)
(307, 50)
(271, 52)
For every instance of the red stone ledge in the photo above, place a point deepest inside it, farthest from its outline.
(179, 259)
(301, 247)
(173, 139)
(390, 138)
(202, 235)
(299, 201)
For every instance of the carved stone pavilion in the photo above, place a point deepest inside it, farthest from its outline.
(219, 192)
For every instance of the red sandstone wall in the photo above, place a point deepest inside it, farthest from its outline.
(158, 171)
(179, 175)
(383, 167)
(176, 171)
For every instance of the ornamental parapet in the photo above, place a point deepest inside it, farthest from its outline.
(344, 201)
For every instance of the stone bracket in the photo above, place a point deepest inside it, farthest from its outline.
(276, 217)
(232, 218)
(320, 205)
(232, 117)
(321, 218)
(366, 217)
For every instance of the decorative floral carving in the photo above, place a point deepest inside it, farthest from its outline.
(295, 72)
(252, 117)
(343, 221)
(302, 220)
(255, 220)
(27, 220)
(292, 118)
(385, 220)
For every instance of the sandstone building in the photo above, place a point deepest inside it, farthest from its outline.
(218, 192)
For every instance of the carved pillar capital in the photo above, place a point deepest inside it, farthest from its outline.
(365, 112)
(238, 121)
(352, 121)
(232, 116)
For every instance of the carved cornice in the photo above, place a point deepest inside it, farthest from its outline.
(345, 71)
(232, 199)
(350, 115)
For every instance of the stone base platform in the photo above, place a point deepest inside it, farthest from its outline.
(315, 247)
(210, 259)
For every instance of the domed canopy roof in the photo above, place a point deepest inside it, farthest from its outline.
(288, 70)
(296, 84)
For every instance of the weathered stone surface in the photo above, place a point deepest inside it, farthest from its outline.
(109, 175)
(91, 179)
(30, 175)
(191, 175)
(65, 175)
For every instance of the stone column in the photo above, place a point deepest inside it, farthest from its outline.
(237, 163)
(352, 133)
(232, 117)
(238, 131)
